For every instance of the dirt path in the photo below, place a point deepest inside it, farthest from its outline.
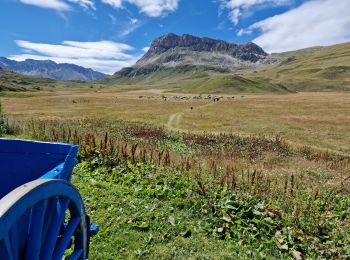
(175, 119)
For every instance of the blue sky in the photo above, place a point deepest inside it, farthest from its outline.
(107, 35)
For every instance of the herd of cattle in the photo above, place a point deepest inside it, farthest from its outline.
(208, 97)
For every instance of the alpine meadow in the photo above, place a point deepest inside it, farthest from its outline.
(205, 129)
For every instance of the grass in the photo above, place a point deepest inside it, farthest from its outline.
(161, 194)
(192, 79)
(314, 69)
(11, 81)
(314, 119)
(230, 84)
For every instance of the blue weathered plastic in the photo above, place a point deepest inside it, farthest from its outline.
(25, 161)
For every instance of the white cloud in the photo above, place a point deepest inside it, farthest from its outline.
(133, 21)
(234, 16)
(104, 56)
(242, 32)
(238, 7)
(84, 3)
(318, 22)
(153, 8)
(114, 3)
(145, 49)
(58, 5)
(248, 3)
(131, 26)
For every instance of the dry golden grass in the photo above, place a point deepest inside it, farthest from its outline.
(318, 119)
(321, 120)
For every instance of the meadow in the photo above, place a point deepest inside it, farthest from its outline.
(318, 119)
(175, 176)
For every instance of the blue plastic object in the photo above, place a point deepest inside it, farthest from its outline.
(41, 213)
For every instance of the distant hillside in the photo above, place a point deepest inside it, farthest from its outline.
(12, 81)
(197, 79)
(226, 84)
(52, 70)
(312, 69)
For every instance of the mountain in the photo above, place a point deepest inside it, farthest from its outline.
(172, 49)
(172, 52)
(190, 64)
(52, 70)
(201, 65)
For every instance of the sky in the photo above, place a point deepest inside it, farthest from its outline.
(107, 35)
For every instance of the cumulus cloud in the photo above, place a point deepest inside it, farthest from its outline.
(318, 22)
(152, 8)
(104, 56)
(238, 7)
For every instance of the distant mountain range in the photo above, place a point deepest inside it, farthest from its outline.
(51, 70)
(172, 51)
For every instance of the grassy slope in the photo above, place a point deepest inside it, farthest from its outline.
(314, 69)
(229, 84)
(197, 79)
(11, 81)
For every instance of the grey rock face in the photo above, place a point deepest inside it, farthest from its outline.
(249, 52)
(172, 53)
(50, 69)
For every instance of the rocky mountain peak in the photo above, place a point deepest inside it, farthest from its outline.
(245, 52)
